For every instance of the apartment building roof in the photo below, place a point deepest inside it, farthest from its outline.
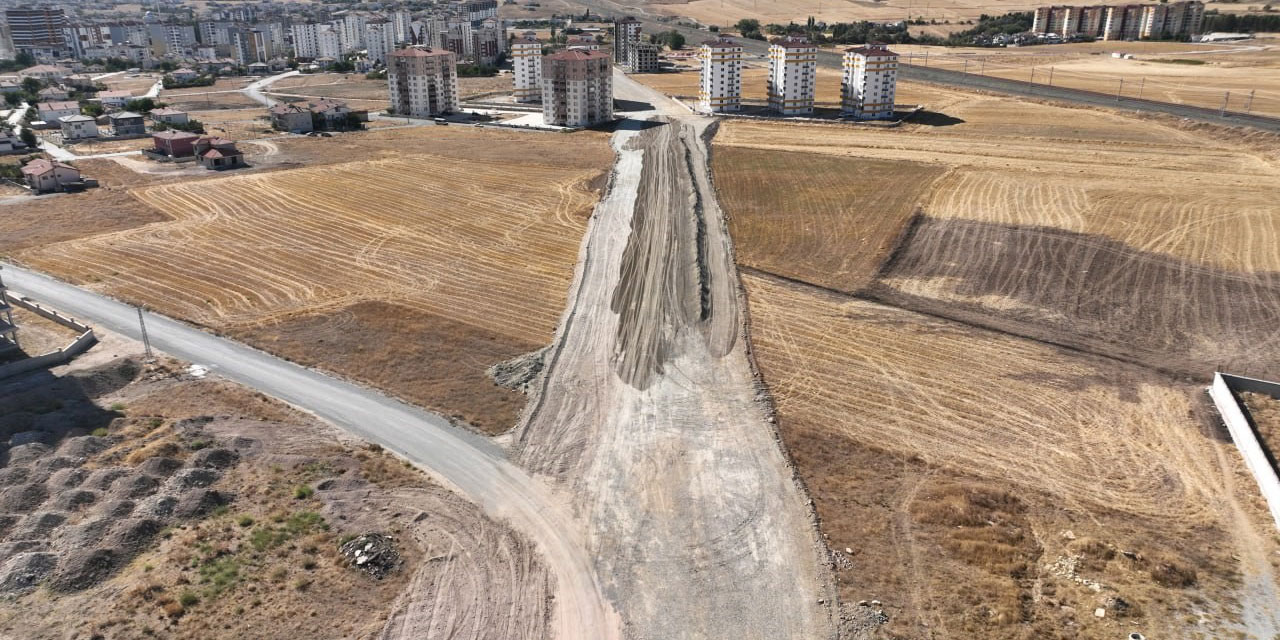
(172, 134)
(793, 43)
(167, 111)
(577, 54)
(124, 115)
(420, 52)
(868, 51)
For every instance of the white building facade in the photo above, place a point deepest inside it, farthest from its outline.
(379, 41)
(793, 76)
(526, 59)
(423, 82)
(720, 81)
(870, 82)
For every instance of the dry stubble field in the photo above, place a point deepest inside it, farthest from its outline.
(974, 473)
(349, 265)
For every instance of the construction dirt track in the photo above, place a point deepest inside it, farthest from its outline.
(650, 416)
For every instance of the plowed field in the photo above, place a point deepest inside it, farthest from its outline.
(487, 245)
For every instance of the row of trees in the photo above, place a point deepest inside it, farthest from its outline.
(1240, 23)
(834, 33)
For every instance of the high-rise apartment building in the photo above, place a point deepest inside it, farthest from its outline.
(793, 75)
(720, 80)
(379, 40)
(423, 82)
(577, 88)
(870, 82)
(37, 30)
(1173, 20)
(526, 58)
(626, 33)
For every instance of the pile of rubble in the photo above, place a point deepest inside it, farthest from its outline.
(372, 553)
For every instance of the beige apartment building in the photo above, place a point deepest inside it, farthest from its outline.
(793, 76)
(577, 88)
(1173, 20)
(526, 60)
(870, 82)
(720, 80)
(423, 82)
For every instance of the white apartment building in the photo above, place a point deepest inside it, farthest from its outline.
(306, 40)
(423, 82)
(870, 82)
(577, 88)
(793, 76)
(720, 87)
(379, 40)
(626, 33)
(526, 58)
(352, 32)
(171, 39)
(329, 42)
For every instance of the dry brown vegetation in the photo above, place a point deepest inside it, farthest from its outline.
(278, 491)
(277, 257)
(985, 482)
(1265, 412)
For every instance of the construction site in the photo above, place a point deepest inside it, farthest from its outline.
(669, 376)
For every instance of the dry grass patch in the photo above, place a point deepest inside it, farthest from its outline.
(830, 221)
(1265, 412)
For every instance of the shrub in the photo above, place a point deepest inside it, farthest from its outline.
(117, 407)
(245, 521)
(1173, 575)
(188, 599)
(302, 492)
(100, 432)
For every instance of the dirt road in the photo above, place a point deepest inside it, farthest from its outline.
(650, 416)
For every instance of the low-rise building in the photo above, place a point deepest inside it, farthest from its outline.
(127, 123)
(44, 176)
(10, 141)
(45, 72)
(869, 85)
(184, 75)
(423, 82)
(79, 81)
(78, 127)
(720, 79)
(175, 144)
(218, 153)
(114, 99)
(53, 93)
(577, 88)
(793, 75)
(290, 117)
(334, 114)
(51, 112)
(582, 42)
(169, 115)
(7, 86)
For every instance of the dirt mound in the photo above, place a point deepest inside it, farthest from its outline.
(45, 467)
(138, 485)
(372, 553)
(83, 568)
(67, 478)
(115, 508)
(107, 378)
(193, 478)
(84, 535)
(74, 499)
(11, 549)
(161, 506)
(199, 502)
(521, 371)
(133, 534)
(38, 526)
(23, 498)
(216, 458)
(24, 571)
(29, 437)
(23, 454)
(102, 479)
(83, 446)
(160, 466)
(11, 476)
(7, 520)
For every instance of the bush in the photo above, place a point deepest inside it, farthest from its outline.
(100, 432)
(245, 521)
(118, 407)
(302, 492)
(188, 599)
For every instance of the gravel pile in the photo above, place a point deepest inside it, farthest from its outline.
(372, 553)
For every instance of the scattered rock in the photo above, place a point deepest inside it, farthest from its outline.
(117, 508)
(134, 486)
(84, 568)
(74, 499)
(132, 534)
(161, 506)
(29, 437)
(519, 372)
(1100, 612)
(10, 476)
(160, 466)
(372, 553)
(27, 452)
(101, 479)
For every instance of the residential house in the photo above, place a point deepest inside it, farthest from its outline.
(78, 127)
(53, 93)
(218, 153)
(184, 75)
(175, 144)
(10, 141)
(335, 113)
(45, 72)
(291, 118)
(127, 123)
(79, 81)
(114, 99)
(259, 69)
(44, 176)
(9, 87)
(51, 112)
(169, 115)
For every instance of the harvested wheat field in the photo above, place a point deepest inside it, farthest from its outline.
(333, 85)
(981, 482)
(449, 239)
(833, 226)
(1048, 224)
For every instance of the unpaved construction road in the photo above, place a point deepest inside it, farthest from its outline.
(650, 417)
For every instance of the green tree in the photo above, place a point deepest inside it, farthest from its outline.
(673, 39)
(91, 109)
(747, 24)
(28, 137)
(13, 98)
(32, 85)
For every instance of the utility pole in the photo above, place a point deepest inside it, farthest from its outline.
(966, 65)
(1051, 76)
(1248, 104)
(1141, 83)
(146, 341)
(983, 70)
(1119, 89)
(1033, 75)
(1222, 113)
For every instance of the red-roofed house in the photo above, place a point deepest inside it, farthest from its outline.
(218, 153)
(175, 144)
(290, 117)
(44, 176)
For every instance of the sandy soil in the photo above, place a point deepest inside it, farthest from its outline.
(650, 416)
(138, 84)
(247, 553)
(237, 124)
(37, 335)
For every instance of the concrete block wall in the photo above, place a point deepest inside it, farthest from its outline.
(1222, 391)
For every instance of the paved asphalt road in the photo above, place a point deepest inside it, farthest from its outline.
(464, 461)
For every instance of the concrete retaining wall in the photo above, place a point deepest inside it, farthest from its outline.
(1223, 391)
(82, 342)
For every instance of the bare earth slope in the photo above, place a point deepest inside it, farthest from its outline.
(650, 413)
